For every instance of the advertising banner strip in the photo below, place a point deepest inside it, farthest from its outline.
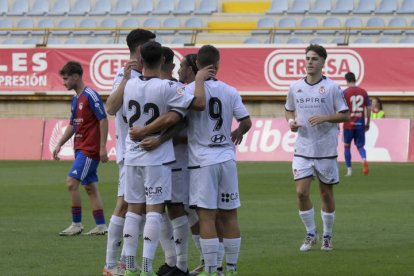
(260, 71)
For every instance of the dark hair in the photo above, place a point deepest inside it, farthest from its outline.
(138, 37)
(208, 55)
(350, 77)
(151, 53)
(190, 59)
(168, 54)
(71, 68)
(379, 101)
(320, 50)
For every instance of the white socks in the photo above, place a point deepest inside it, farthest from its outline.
(152, 233)
(131, 235)
(181, 230)
(115, 230)
(210, 248)
(232, 249)
(328, 221)
(167, 241)
(308, 219)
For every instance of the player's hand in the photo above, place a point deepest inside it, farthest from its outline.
(150, 143)
(315, 120)
(206, 73)
(236, 137)
(136, 133)
(366, 127)
(293, 125)
(103, 154)
(56, 152)
(129, 66)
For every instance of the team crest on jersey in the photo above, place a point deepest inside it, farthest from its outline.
(322, 90)
(80, 106)
(180, 90)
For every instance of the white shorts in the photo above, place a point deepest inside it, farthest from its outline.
(151, 184)
(180, 187)
(215, 186)
(121, 179)
(325, 169)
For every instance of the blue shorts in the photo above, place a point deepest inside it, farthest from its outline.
(358, 135)
(84, 168)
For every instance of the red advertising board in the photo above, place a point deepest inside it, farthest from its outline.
(258, 71)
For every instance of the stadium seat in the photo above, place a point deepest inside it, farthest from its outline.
(65, 23)
(274, 40)
(102, 7)
(410, 32)
(286, 22)
(19, 8)
(278, 7)
(362, 40)
(73, 40)
(365, 7)
(354, 22)
(396, 22)
(143, 7)
(265, 22)
(185, 7)
(4, 7)
(179, 40)
(122, 7)
(321, 7)
(44, 23)
(81, 7)
(86, 23)
(338, 40)
(53, 41)
(171, 22)
(40, 7)
(318, 40)
(295, 40)
(407, 40)
(193, 22)
(343, 7)
(61, 7)
(164, 7)
(9, 41)
(374, 22)
(129, 23)
(160, 39)
(299, 7)
(252, 40)
(407, 7)
(24, 23)
(31, 41)
(94, 40)
(5, 23)
(207, 7)
(385, 40)
(109, 23)
(308, 22)
(330, 22)
(152, 22)
(387, 7)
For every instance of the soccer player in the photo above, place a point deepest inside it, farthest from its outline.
(148, 176)
(314, 106)
(132, 69)
(89, 124)
(360, 108)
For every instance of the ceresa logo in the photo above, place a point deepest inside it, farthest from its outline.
(105, 63)
(284, 66)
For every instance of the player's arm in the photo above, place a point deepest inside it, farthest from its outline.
(244, 125)
(152, 142)
(340, 117)
(103, 128)
(165, 121)
(115, 99)
(66, 136)
(368, 114)
(203, 74)
(290, 118)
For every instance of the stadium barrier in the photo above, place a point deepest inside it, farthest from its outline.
(269, 140)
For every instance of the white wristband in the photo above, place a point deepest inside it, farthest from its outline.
(290, 121)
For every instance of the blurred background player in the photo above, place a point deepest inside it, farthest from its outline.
(132, 69)
(376, 108)
(359, 108)
(89, 124)
(314, 106)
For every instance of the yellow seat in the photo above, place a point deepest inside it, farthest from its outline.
(245, 26)
(246, 7)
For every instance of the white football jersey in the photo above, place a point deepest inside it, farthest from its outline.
(209, 131)
(145, 99)
(322, 98)
(121, 127)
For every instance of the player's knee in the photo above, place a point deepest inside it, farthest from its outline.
(347, 146)
(302, 195)
(72, 184)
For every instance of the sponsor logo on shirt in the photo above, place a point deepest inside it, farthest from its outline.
(153, 191)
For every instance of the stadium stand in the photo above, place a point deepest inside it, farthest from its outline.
(318, 40)
(330, 22)
(108, 23)
(144, 7)
(321, 7)
(4, 7)
(365, 7)
(354, 22)
(278, 7)
(307, 22)
(179, 40)
(185, 7)
(61, 7)
(373, 22)
(170, 22)
(299, 7)
(193, 22)
(252, 40)
(129, 23)
(86, 23)
(206, 7)
(343, 7)
(265, 22)
(44, 23)
(387, 7)
(40, 7)
(407, 6)
(164, 7)
(9, 41)
(81, 7)
(295, 40)
(385, 40)
(286, 22)
(122, 7)
(19, 8)
(101, 7)
(24, 23)
(65, 23)
(398, 22)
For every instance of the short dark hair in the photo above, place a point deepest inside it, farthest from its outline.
(190, 59)
(350, 77)
(151, 53)
(208, 55)
(320, 50)
(138, 37)
(71, 68)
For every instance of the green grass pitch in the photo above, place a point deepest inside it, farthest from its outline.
(373, 231)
